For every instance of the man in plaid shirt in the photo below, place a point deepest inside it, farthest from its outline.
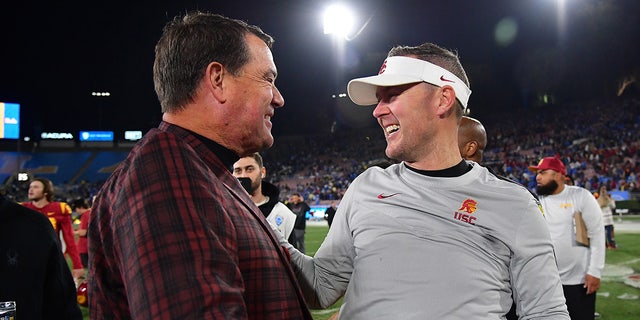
(173, 234)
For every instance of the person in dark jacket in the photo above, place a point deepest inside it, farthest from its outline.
(330, 212)
(297, 205)
(35, 280)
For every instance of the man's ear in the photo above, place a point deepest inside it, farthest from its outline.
(470, 149)
(215, 76)
(447, 100)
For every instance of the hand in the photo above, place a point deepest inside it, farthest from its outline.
(591, 283)
(77, 273)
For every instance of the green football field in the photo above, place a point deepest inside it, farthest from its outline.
(616, 300)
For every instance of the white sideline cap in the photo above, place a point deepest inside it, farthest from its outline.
(399, 70)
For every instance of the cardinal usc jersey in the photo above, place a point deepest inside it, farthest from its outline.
(59, 214)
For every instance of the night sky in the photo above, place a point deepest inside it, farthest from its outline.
(55, 54)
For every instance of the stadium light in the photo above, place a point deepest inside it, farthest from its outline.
(101, 94)
(338, 20)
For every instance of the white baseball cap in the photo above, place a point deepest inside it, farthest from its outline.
(399, 70)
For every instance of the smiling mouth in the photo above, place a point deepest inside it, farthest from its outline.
(391, 129)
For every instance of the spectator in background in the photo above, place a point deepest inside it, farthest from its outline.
(82, 207)
(607, 206)
(59, 214)
(300, 208)
(173, 234)
(330, 212)
(472, 139)
(264, 194)
(35, 282)
(580, 253)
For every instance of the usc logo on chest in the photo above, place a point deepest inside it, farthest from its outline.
(466, 210)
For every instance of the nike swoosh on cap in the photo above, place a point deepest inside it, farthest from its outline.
(445, 79)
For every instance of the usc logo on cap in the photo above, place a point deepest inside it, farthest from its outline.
(383, 67)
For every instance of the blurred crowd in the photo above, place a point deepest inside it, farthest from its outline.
(598, 141)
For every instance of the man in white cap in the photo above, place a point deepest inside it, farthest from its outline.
(433, 236)
(577, 232)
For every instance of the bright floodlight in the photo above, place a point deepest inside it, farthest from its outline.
(338, 20)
